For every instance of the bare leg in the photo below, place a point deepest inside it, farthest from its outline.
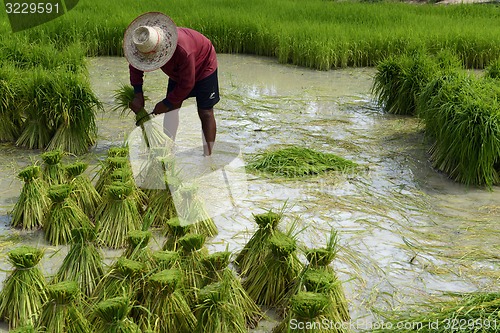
(209, 129)
(171, 123)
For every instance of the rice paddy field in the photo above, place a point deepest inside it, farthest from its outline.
(298, 75)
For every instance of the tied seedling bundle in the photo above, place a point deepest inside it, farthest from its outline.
(53, 170)
(10, 117)
(218, 270)
(176, 228)
(84, 261)
(110, 164)
(163, 260)
(193, 252)
(256, 249)
(165, 301)
(113, 317)
(62, 312)
(63, 216)
(269, 282)
(137, 248)
(23, 292)
(124, 175)
(293, 162)
(117, 216)
(84, 193)
(215, 313)
(30, 208)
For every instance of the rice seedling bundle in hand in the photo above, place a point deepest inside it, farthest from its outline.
(137, 248)
(84, 261)
(256, 249)
(62, 312)
(53, 171)
(112, 317)
(215, 313)
(293, 162)
(30, 208)
(176, 228)
(23, 292)
(307, 314)
(193, 252)
(269, 282)
(10, 117)
(63, 216)
(192, 209)
(84, 192)
(117, 216)
(169, 309)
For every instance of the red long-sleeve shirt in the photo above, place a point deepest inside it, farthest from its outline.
(193, 60)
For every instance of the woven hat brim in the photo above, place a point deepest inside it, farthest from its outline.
(152, 61)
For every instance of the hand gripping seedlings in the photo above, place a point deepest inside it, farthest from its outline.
(83, 193)
(175, 229)
(23, 292)
(193, 252)
(63, 216)
(53, 171)
(30, 208)
(62, 312)
(83, 263)
(112, 317)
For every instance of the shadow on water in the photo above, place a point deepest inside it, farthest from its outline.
(406, 230)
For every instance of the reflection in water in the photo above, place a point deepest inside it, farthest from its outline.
(406, 230)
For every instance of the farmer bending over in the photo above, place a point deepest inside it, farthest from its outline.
(153, 41)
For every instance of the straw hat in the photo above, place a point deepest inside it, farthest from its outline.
(150, 41)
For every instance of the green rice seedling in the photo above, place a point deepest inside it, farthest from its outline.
(53, 170)
(175, 229)
(169, 309)
(165, 260)
(25, 329)
(62, 312)
(217, 270)
(269, 282)
(160, 209)
(117, 216)
(124, 175)
(10, 117)
(307, 315)
(215, 313)
(193, 252)
(112, 317)
(63, 216)
(84, 261)
(84, 192)
(256, 249)
(293, 162)
(120, 151)
(30, 208)
(192, 209)
(137, 248)
(103, 175)
(23, 292)
(493, 69)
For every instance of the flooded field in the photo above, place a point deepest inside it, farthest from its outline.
(406, 232)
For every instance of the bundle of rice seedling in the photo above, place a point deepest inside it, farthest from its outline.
(124, 175)
(192, 209)
(53, 171)
(117, 216)
(169, 309)
(119, 151)
(62, 312)
(29, 211)
(83, 193)
(84, 261)
(175, 229)
(217, 270)
(23, 292)
(256, 249)
(109, 165)
(193, 252)
(165, 260)
(161, 209)
(112, 317)
(215, 312)
(137, 248)
(156, 171)
(269, 282)
(307, 315)
(63, 216)
(292, 162)
(10, 117)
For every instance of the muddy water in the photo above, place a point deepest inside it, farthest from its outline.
(405, 230)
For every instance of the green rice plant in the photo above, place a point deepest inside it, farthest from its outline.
(293, 162)
(10, 117)
(63, 216)
(23, 292)
(117, 216)
(112, 317)
(61, 313)
(30, 208)
(160, 209)
(493, 69)
(110, 164)
(83, 263)
(269, 283)
(169, 309)
(175, 229)
(215, 313)
(193, 252)
(307, 314)
(165, 260)
(25, 329)
(83, 191)
(125, 176)
(53, 170)
(256, 249)
(137, 248)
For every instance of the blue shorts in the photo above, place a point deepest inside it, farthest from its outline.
(206, 91)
